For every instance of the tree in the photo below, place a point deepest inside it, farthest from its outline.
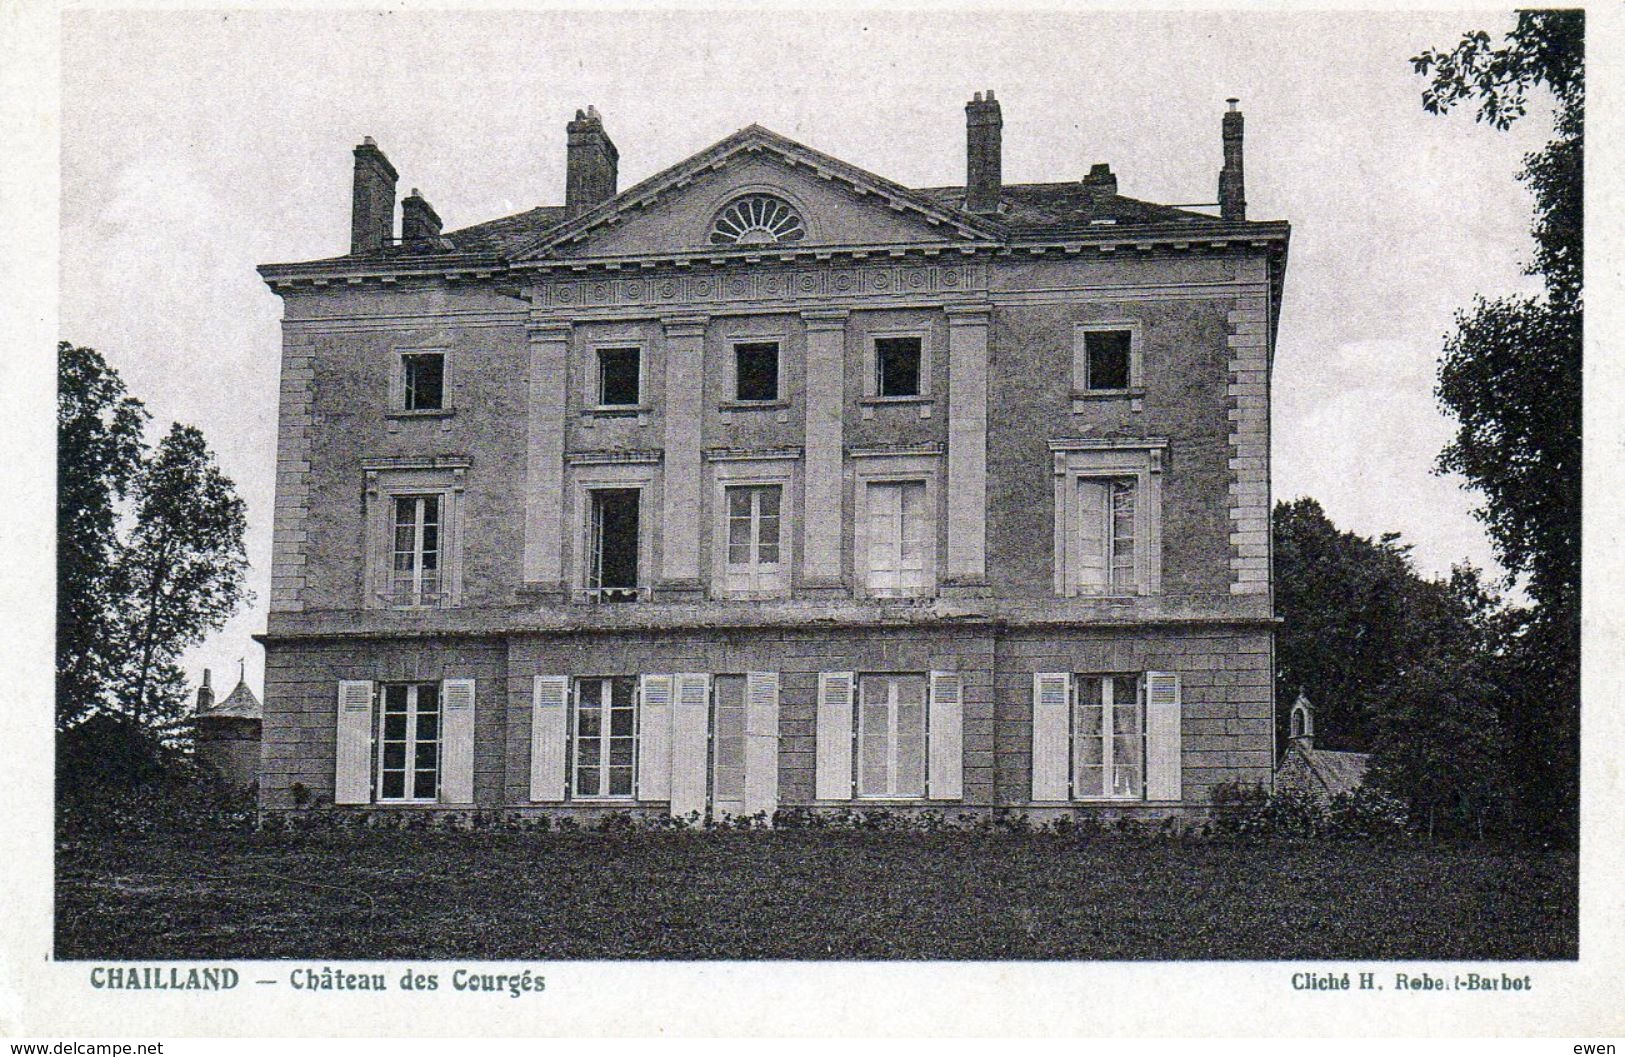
(1395, 664)
(1511, 376)
(1358, 622)
(182, 570)
(99, 452)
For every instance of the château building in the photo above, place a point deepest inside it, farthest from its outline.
(768, 482)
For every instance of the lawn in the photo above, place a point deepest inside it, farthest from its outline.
(806, 895)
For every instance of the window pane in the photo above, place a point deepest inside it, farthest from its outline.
(620, 781)
(756, 369)
(897, 366)
(423, 787)
(739, 503)
(425, 756)
(729, 763)
(618, 377)
(587, 782)
(620, 752)
(394, 755)
(620, 722)
(1108, 358)
(425, 377)
(769, 499)
(1122, 529)
(394, 785)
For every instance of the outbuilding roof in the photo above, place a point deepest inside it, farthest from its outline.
(239, 704)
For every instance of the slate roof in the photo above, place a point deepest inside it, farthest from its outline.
(1333, 772)
(239, 704)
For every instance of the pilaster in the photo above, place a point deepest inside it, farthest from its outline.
(544, 458)
(684, 347)
(967, 447)
(825, 457)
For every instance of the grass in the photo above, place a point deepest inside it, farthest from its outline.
(806, 895)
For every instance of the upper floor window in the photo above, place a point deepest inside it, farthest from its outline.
(899, 366)
(757, 220)
(1107, 562)
(755, 558)
(423, 380)
(897, 542)
(612, 540)
(620, 377)
(756, 371)
(1108, 519)
(412, 516)
(1106, 358)
(415, 578)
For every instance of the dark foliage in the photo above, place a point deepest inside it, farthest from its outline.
(1511, 376)
(99, 451)
(807, 894)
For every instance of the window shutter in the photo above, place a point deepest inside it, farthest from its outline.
(834, 777)
(654, 738)
(549, 696)
(946, 772)
(761, 742)
(691, 716)
(1050, 730)
(457, 741)
(1162, 713)
(1090, 558)
(352, 756)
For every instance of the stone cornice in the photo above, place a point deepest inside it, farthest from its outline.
(1129, 240)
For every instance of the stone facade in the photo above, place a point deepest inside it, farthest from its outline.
(1001, 435)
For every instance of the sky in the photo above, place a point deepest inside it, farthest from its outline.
(196, 146)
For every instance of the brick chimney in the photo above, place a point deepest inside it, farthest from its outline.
(372, 206)
(420, 224)
(1232, 186)
(1101, 181)
(591, 163)
(205, 694)
(983, 150)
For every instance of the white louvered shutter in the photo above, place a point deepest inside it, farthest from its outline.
(548, 713)
(761, 743)
(654, 737)
(1089, 559)
(834, 775)
(352, 767)
(690, 743)
(947, 747)
(1050, 735)
(457, 741)
(1162, 713)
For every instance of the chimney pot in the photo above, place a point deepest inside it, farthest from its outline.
(984, 124)
(591, 163)
(372, 199)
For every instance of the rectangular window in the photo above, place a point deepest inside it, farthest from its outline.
(409, 742)
(755, 558)
(612, 560)
(728, 741)
(1108, 738)
(619, 377)
(897, 538)
(1106, 535)
(891, 735)
(756, 371)
(605, 736)
(423, 381)
(1107, 359)
(415, 573)
(897, 366)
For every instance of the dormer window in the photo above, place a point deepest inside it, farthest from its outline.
(757, 220)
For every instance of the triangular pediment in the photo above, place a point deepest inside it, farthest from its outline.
(758, 192)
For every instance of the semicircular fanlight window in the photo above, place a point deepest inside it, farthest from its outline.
(757, 220)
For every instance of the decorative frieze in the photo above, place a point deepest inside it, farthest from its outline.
(772, 286)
